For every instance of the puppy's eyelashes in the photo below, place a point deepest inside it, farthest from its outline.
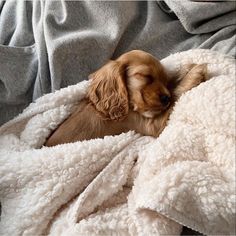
(145, 77)
(136, 82)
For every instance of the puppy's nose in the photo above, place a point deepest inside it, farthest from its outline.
(165, 100)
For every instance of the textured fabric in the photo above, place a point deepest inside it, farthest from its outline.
(126, 184)
(47, 45)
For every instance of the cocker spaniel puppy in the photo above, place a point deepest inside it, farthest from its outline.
(132, 92)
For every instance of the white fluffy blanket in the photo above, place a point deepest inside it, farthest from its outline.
(126, 184)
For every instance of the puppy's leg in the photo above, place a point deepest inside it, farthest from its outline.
(192, 76)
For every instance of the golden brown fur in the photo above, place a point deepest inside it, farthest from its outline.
(130, 93)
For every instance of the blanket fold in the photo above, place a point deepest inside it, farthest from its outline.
(125, 184)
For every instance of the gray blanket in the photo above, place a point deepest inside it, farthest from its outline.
(47, 45)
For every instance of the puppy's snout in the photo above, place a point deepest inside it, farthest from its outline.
(165, 99)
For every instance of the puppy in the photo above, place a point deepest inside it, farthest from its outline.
(132, 92)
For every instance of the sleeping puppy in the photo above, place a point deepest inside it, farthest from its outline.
(132, 92)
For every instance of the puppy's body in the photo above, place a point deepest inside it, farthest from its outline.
(137, 108)
(86, 123)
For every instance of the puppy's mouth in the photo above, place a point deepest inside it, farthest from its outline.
(151, 114)
(154, 112)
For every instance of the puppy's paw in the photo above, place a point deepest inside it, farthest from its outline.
(194, 75)
(199, 72)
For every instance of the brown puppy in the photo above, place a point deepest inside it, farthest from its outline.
(130, 93)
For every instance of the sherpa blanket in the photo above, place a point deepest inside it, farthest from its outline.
(46, 45)
(125, 184)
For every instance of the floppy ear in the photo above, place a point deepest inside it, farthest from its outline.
(108, 91)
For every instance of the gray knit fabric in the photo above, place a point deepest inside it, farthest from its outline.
(47, 45)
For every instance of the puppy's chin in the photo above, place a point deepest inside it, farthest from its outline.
(147, 114)
(150, 114)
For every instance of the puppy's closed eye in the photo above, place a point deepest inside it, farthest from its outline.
(136, 82)
(146, 78)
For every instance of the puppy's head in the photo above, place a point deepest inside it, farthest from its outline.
(136, 80)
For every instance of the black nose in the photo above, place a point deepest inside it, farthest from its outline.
(165, 100)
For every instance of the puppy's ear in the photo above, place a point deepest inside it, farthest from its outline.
(108, 91)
